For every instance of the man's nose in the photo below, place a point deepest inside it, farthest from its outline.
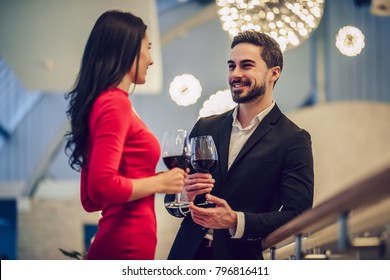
(236, 73)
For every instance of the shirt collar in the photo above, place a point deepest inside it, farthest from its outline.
(256, 120)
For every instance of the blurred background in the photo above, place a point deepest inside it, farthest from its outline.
(338, 92)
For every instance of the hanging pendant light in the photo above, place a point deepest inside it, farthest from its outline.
(185, 89)
(217, 103)
(288, 22)
(350, 41)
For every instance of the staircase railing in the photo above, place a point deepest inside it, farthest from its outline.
(361, 207)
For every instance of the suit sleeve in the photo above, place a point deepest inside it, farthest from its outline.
(296, 190)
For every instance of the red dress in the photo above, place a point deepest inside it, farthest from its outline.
(120, 148)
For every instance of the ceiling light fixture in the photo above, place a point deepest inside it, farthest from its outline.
(350, 41)
(185, 89)
(217, 103)
(288, 22)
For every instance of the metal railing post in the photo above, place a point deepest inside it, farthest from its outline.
(298, 246)
(272, 253)
(343, 242)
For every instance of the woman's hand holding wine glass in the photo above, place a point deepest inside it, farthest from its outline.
(172, 181)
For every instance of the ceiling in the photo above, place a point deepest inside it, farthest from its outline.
(42, 41)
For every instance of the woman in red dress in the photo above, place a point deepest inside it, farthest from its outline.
(114, 149)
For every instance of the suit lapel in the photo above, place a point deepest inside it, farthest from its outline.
(264, 127)
(224, 136)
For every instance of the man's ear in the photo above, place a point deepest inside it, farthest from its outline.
(275, 73)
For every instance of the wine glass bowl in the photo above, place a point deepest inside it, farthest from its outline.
(176, 152)
(204, 157)
(181, 161)
(204, 165)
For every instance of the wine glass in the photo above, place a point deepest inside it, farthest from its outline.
(176, 152)
(204, 158)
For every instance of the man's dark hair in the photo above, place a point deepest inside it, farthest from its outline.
(270, 52)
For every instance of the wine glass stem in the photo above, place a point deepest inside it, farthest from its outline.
(178, 197)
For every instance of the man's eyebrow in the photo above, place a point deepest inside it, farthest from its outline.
(242, 61)
(247, 60)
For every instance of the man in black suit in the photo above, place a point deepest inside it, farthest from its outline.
(264, 176)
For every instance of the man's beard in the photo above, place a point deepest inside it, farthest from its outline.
(252, 95)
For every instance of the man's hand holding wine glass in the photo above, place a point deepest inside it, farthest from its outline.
(197, 183)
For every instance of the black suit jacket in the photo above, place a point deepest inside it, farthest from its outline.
(274, 168)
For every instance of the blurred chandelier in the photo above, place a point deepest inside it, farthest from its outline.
(288, 22)
(217, 103)
(185, 89)
(350, 41)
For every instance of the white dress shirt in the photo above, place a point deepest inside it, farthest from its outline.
(238, 138)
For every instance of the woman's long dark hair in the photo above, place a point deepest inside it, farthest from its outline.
(111, 49)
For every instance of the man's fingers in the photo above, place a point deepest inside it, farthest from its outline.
(216, 200)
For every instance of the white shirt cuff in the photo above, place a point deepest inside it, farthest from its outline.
(238, 231)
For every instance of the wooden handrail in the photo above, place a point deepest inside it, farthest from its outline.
(364, 193)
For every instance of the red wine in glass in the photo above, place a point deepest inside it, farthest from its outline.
(177, 161)
(204, 165)
(176, 152)
(204, 158)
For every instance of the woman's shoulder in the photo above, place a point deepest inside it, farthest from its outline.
(113, 96)
(111, 101)
(114, 93)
